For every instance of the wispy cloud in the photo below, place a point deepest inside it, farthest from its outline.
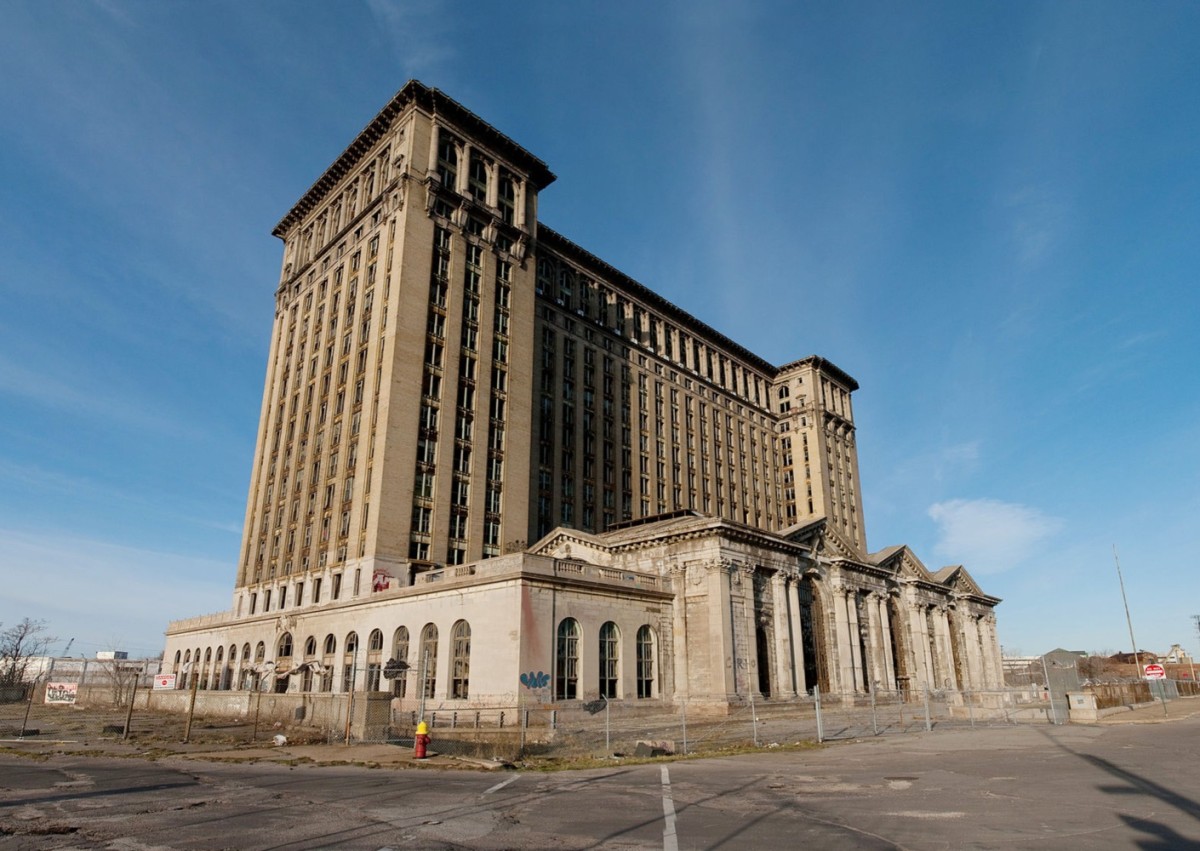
(117, 591)
(956, 458)
(1038, 217)
(417, 32)
(990, 536)
(96, 401)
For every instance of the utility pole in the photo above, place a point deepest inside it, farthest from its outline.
(1137, 660)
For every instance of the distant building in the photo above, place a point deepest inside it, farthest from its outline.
(1177, 656)
(490, 457)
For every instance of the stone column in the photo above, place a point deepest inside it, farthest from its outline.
(785, 669)
(434, 135)
(992, 649)
(793, 603)
(492, 197)
(722, 630)
(942, 621)
(970, 643)
(521, 202)
(681, 687)
(856, 644)
(888, 665)
(464, 169)
(842, 669)
(924, 650)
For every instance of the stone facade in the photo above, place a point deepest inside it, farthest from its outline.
(493, 460)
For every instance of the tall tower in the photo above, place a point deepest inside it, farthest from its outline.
(384, 435)
(820, 457)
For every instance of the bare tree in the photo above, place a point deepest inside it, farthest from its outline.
(121, 674)
(19, 645)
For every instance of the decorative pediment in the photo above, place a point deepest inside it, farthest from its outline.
(903, 563)
(833, 545)
(572, 544)
(956, 578)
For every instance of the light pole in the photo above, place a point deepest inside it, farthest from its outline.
(1128, 620)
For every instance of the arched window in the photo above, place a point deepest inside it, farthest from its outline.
(218, 677)
(645, 662)
(285, 647)
(400, 654)
(230, 663)
(566, 663)
(374, 659)
(348, 661)
(246, 673)
(610, 651)
(460, 669)
(327, 663)
(429, 638)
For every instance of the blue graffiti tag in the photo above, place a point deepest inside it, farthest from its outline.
(538, 680)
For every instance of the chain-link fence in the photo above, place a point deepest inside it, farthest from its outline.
(564, 730)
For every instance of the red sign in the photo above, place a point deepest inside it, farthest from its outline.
(1155, 672)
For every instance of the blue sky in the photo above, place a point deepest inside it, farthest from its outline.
(985, 212)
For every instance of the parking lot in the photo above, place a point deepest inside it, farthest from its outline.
(1118, 785)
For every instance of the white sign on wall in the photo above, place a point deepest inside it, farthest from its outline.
(62, 693)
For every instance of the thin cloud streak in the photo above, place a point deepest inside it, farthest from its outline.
(990, 536)
(122, 591)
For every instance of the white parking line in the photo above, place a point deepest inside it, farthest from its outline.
(501, 785)
(670, 840)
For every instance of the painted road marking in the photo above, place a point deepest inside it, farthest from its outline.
(670, 840)
(501, 785)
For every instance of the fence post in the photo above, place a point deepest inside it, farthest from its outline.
(817, 704)
(928, 724)
(129, 714)
(685, 744)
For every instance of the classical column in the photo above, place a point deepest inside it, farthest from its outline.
(855, 638)
(970, 642)
(464, 169)
(493, 185)
(785, 669)
(793, 604)
(522, 201)
(434, 135)
(945, 651)
(887, 653)
(992, 648)
(679, 638)
(924, 649)
(843, 666)
(722, 630)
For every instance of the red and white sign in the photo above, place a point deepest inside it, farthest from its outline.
(1155, 672)
(162, 681)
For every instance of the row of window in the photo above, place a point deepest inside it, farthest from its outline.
(320, 662)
